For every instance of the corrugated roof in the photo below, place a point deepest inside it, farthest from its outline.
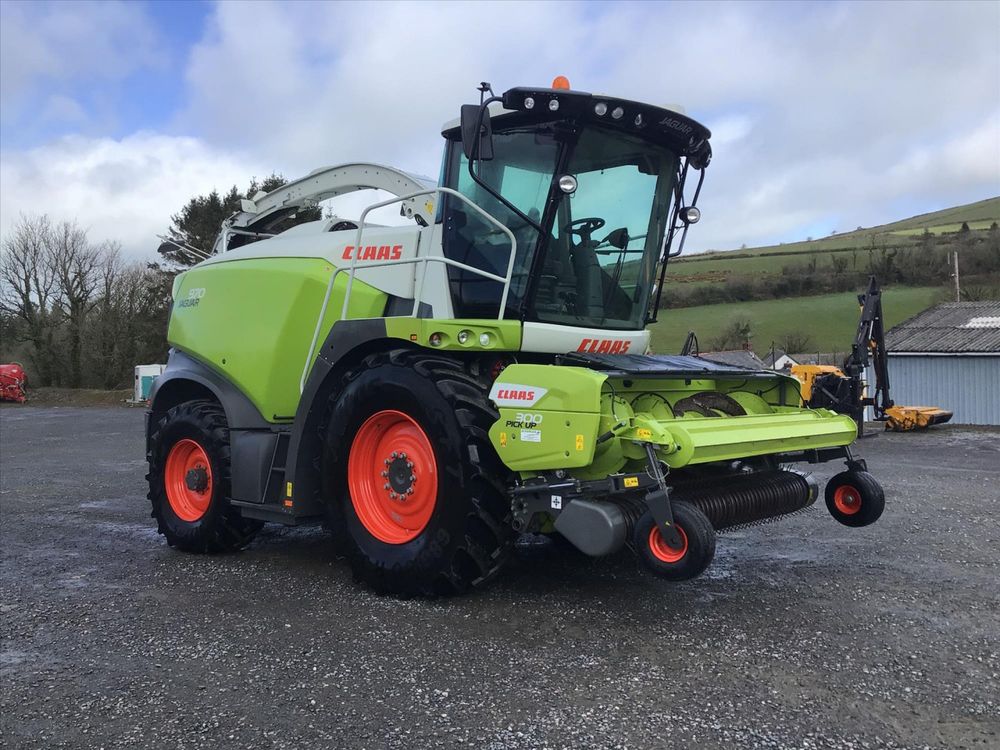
(951, 327)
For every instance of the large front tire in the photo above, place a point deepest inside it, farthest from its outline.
(189, 485)
(415, 492)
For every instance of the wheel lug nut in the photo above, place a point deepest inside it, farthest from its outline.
(385, 473)
(386, 486)
(413, 478)
(394, 454)
(409, 464)
(409, 491)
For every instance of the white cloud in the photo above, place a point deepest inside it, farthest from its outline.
(118, 189)
(56, 44)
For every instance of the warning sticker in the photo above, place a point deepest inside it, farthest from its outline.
(556, 502)
(579, 442)
(531, 436)
(631, 481)
(503, 439)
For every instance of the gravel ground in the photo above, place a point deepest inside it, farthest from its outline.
(803, 633)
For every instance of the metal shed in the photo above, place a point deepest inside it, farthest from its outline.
(949, 356)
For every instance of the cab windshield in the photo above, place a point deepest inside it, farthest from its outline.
(593, 262)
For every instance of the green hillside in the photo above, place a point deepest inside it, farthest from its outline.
(849, 251)
(829, 320)
(982, 213)
(985, 211)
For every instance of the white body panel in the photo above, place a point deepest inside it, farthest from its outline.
(377, 244)
(559, 339)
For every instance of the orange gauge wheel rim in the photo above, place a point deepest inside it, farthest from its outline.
(664, 552)
(392, 477)
(188, 480)
(847, 499)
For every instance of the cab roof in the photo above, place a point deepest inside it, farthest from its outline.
(685, 135)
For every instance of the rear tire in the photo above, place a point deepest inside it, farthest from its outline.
(855, 498)
(665, 562)
(450, 534)
(189, 485)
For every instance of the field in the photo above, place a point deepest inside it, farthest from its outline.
(851, 248)
(944, 228)
(983, 213)
(830, 319)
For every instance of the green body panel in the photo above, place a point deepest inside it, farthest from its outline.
(581, 405)
(504, 335)
(563, 434)
(253, 320)
(727, 438)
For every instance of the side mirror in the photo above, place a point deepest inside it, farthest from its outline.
(618, 238)
(469, 119)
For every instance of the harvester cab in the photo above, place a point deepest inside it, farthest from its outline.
(432, 390)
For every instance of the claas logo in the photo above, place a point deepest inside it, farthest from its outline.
(604, 346)
(374, 252)
(512, 395)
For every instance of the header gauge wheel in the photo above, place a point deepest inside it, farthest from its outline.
(855, 498)
(681, 563)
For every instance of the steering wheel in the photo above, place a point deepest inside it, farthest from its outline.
(584, 227)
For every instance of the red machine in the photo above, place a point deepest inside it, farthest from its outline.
(12, 380)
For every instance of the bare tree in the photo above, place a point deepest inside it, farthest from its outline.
(735, 335)
(76, 264)
(27, 289)
(80, 313)
(105, 328)
(793, 342)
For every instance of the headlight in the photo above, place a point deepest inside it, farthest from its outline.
(568, 184)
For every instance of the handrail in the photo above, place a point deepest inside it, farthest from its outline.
(424, 260)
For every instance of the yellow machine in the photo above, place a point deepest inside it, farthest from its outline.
(843, 389)
(900, 418)
(807, 374)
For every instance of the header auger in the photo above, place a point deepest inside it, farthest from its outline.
(433, 390)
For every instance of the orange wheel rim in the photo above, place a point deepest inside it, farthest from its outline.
(664, 552)
(188, 480)
(847, 499)
(392, 477)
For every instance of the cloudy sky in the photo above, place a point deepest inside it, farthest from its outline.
(825, 115)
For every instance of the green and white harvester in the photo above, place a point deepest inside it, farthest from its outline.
(432, 391)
